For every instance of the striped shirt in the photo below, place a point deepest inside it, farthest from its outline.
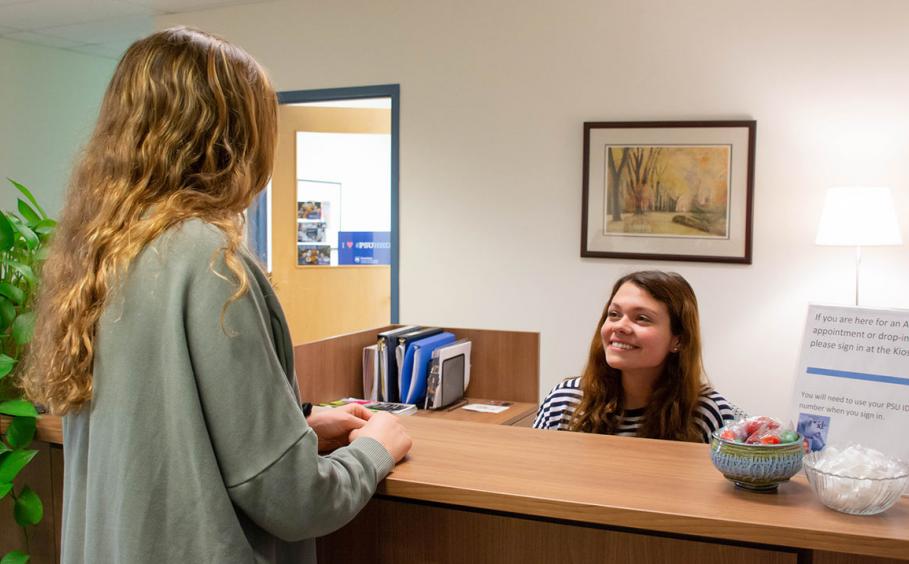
(713, 411)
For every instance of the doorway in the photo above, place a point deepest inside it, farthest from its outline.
(327, 226)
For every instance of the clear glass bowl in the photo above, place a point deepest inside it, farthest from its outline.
(851, 494)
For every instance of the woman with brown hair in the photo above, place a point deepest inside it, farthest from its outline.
(644, 374)
(161, 341)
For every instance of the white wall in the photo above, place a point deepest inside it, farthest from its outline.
(49, 101)
(365, 188)
(494, 94)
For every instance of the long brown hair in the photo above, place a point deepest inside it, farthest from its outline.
(186, 129)
(670, 411)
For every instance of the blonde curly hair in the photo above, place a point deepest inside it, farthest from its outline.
(186, 129)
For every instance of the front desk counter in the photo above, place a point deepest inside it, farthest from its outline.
(45, 473)
(485, 493)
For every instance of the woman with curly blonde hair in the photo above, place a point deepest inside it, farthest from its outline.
(644, 375)
(161, 341)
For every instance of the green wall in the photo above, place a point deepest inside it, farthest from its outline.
(49, 101)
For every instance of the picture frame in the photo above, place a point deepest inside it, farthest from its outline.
(668, 190)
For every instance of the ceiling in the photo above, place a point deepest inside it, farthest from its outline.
(104, 28)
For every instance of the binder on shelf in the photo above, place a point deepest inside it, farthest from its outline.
(388, 369)
(416, 365)
(449, 375)
(371, 372)
(405, 339)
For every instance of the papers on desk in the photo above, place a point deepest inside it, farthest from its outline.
(487, 408)
(391, 407)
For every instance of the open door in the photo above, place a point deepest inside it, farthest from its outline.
(333, 211)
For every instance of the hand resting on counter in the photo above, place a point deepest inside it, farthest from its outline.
(385, 428)
(339, 426)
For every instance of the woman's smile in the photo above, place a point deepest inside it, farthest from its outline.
(636, 333)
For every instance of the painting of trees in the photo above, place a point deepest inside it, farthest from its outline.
(671, 190)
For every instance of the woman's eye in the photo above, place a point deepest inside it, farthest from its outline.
(643, 319)
(613, 315)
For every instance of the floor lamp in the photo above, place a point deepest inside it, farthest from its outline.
(858, 217)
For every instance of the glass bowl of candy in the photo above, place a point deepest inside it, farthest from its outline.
(757, 453)
(856, 480)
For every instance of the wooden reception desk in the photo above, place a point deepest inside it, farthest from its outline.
(471, 492)
(482, 493)
(505, 366)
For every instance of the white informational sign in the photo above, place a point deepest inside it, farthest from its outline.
(853, 379)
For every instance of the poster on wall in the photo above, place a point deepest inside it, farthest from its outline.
(318, 222)
(853, 380)
(311, 210)
(364, 247)
(313, 255)
(311, 232)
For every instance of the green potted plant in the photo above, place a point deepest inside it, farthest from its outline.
(23, 247)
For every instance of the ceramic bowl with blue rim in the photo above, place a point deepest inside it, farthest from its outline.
(756, 467)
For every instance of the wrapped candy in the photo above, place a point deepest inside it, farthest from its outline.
(759, 430)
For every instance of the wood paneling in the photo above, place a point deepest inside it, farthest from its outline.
(504, 365)
(330, 369)
(389, 531)
(823, 557)
(517, 411)
(43, 538)
(526, 421)
(320, 301)
(56, 460)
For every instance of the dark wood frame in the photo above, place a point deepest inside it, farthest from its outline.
(750, 125)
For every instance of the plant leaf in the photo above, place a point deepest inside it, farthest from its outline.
(28, 510)
(31, 240)
(21, 432)
(6, 365)
(25, 192)
(30, 215)
(23, 327)
(7, 235)
(15, 462)
(15, 557)
(18, 408)
(7, 313)
(45, 226)
(14, 294)
(5, 489)
(25, 270)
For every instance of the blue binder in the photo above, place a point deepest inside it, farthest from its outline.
(416, 365)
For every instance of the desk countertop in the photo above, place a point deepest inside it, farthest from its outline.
(642, 484)
(50, 427)
(516, 412)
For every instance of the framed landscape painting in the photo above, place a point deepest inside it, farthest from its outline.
(676, 190)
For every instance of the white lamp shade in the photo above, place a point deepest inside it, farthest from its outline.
(858, 217)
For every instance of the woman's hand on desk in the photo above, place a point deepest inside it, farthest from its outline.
(385, 428)
(333, 426)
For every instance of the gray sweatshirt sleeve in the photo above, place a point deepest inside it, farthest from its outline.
(267, 453)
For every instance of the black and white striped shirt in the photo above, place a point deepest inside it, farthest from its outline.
(713, 411)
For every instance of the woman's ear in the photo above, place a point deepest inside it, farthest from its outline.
(674, 346)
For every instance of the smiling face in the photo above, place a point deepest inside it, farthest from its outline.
(637, 334)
